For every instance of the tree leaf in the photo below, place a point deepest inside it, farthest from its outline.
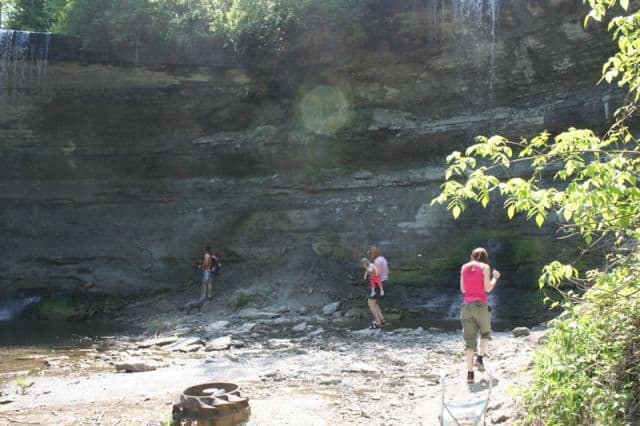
(568, 214)
(456, 210)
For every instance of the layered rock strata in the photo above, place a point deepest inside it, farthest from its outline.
(116, 171)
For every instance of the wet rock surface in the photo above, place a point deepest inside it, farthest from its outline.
(331, 371)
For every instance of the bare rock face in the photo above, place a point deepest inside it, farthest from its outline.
(116, 176)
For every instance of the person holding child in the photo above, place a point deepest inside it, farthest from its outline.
(376, 291)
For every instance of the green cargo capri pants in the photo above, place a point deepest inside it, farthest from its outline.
(476, 317)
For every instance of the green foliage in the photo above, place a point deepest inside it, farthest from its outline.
(119, 22)
(588, 184)
(252, 27)
(22, 384)
(32, 15)
(249, 25)
(589, 372)
(168, 420)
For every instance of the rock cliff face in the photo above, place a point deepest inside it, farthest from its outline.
(116, 171)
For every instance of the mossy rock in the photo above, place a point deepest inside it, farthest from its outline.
(393, 314)
(57, 311)
(414, 275)
(525, 255)
(361, 310)
(242, 298)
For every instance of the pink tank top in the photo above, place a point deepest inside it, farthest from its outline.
(473, 280)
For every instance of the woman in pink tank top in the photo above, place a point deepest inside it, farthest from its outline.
(476, 314)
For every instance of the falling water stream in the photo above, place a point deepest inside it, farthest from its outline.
(23, 63)
(477, 21)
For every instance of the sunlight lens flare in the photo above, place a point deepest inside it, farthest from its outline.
(324, 110)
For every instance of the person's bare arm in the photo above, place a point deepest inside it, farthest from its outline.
(489, 284)
(461, 282)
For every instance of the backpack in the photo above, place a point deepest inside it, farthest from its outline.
(216, 262)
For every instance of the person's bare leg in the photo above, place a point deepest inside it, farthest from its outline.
(379, 311)
(484, 343)
(469, 355)
(479, 364)
(372, 307)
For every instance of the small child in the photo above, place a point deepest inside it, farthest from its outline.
(374, 279)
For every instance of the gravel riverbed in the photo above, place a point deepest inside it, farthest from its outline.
(296, 367)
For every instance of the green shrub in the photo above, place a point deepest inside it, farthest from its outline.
(589, 370)
(22, 384)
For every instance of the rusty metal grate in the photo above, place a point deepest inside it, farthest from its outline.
(212, 404)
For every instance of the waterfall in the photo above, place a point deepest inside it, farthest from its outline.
(469, 31)
(476, 24)
(23, 63)
(6, 43)
(492, 65)
(480, 16)
(443, 305)
(12, 308)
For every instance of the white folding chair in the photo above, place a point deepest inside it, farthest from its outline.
(471, 413)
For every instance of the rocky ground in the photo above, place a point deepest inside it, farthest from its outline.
(297, 365)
